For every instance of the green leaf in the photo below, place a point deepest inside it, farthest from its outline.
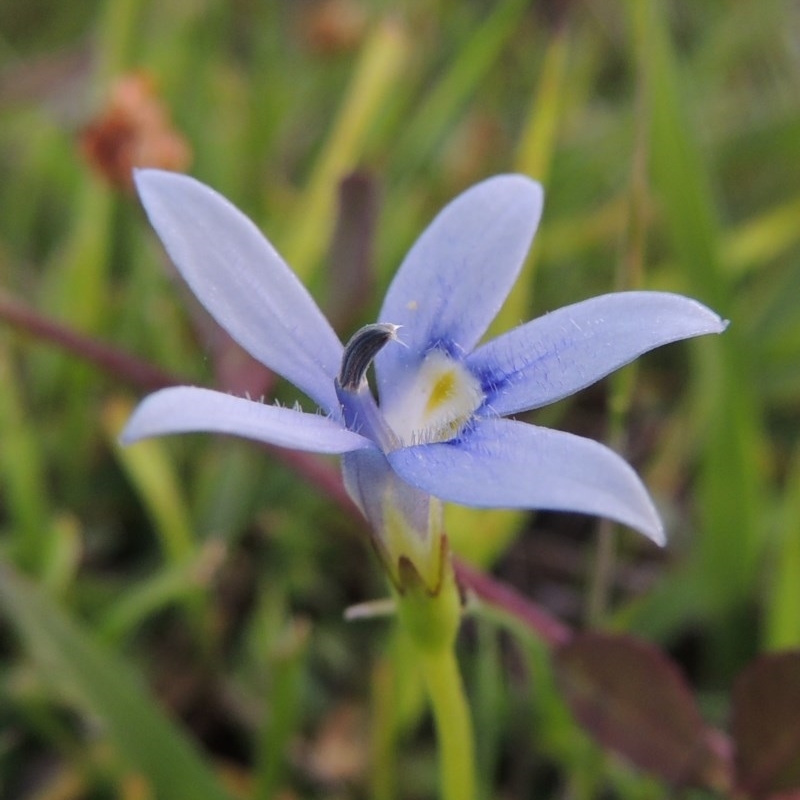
(21, 469)
(100, 683)
(730, 484)
(153, 474)
(446, 99)
(377, 75)
(781, 620)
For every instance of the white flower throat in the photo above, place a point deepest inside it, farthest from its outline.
(435, 404)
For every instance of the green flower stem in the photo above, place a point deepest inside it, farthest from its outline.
(432, 619)
(453, 724)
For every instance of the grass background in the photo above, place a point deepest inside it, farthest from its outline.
(172, 614)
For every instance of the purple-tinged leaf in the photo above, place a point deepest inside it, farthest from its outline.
(766, 725)
(633, 699)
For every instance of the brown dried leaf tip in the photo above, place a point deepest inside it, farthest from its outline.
(331, 27)
(134, 130)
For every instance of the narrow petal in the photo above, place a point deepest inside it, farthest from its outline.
(506, 464)
(240, 278)
(564, 351)
(455, 278)
(189, 409)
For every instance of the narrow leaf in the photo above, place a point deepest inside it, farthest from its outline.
(149, 468)
(781, 620)
(377, 75)
(101, 684)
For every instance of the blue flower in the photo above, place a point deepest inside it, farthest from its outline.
(438, 428)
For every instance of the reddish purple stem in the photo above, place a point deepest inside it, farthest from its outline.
(145, 376)
(551, 630)
(132, 370)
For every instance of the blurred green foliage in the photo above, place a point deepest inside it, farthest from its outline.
(668, 138)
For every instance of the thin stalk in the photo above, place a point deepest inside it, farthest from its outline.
(431, 620)
(601, 578)
(453, 723)
(383, 783)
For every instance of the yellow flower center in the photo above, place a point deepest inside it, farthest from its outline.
(435, 404)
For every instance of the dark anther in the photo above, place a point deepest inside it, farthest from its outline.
(362, 348)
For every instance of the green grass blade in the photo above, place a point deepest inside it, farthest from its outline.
(730, 483)
(782, 622)
(441, 106)
(379, 69)
(147, 465)
(535, 154)
(284, 647)
(103, 685)
(21, 470)
(175, 583)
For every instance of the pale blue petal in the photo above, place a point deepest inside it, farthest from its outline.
(455, 278)
(189, 409)
(376, 489)
(507, 464)
(243, 282)
(564, 351)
